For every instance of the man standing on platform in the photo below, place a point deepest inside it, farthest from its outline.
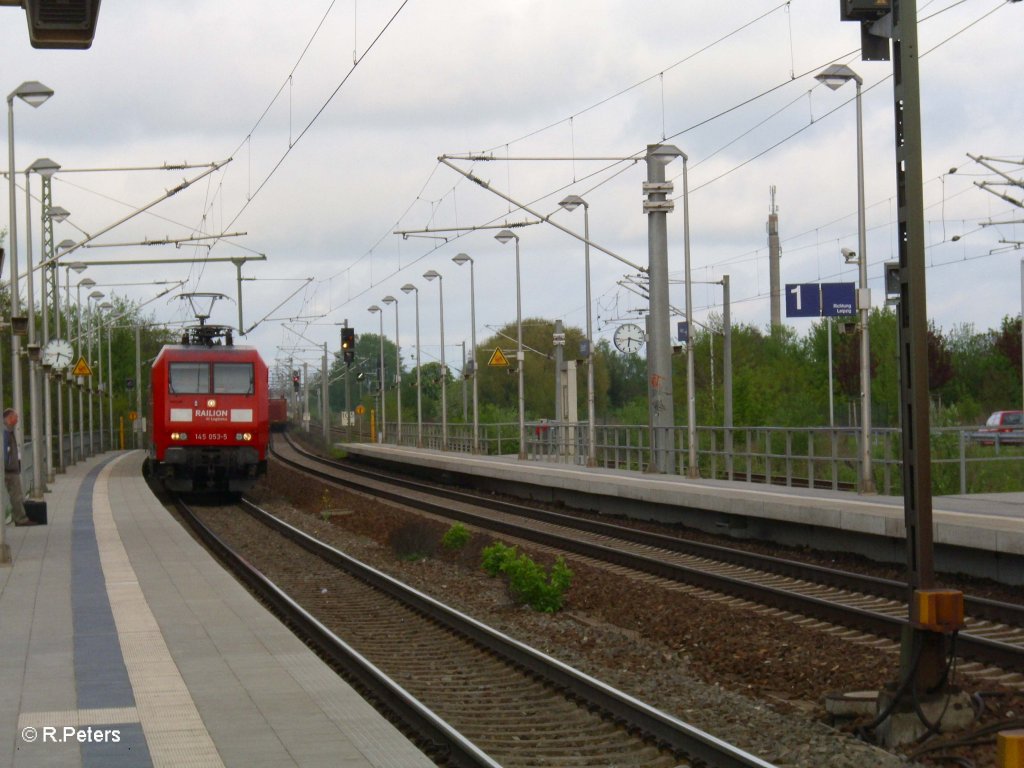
(12, 469)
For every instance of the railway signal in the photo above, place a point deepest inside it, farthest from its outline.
(348, 345)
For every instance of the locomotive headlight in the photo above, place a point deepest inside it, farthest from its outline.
(244, 436)
(179, 436)
(211, 403)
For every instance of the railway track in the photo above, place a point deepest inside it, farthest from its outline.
(476, 696)
(993, 639)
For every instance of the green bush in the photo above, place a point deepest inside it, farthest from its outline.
(456, 537)
(527, 581)
(496, 557)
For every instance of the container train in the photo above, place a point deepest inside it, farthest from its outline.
(278, 414)
(209, 420)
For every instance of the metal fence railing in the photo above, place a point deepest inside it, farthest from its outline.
(819, 457)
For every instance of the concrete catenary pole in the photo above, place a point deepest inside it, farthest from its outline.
(659, 352)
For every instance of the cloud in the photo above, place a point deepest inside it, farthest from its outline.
(204, 81)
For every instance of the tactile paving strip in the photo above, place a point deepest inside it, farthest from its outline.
(174, 731)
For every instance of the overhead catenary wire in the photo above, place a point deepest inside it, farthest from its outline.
(288, 78)
(577, 114)
(131, 206)
(169, 193)
(645, 80)
(743, 103)
(293, 143)
(404, 262)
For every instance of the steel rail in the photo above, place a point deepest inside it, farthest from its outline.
(1002, 654)
(442, 738)
(977, 607)
(665, 730)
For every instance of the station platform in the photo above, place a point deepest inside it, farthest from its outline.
(123, 643)
(980, 534)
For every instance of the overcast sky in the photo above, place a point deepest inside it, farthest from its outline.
(328, 158)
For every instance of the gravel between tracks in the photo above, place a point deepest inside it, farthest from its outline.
(747, 678)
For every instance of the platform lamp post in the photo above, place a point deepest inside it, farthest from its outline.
(410, 288)
(835, 76)
(380, 379)
(460, 259)
(503, 237)
(45, 168)
(138, 385)
(398, 372)
(51, 286)
(79, 267)
(430, 275)
(325, 397)
(94, 296)
(571, 203)
(50, 213)
(106, 306)
(57, 334)
(100, 389)
(34, 94)
(85, 282)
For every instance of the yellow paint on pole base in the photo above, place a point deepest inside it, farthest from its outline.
(939, 610)
(1010, 749)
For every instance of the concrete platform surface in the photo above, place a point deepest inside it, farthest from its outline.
(988, 522)
(123, 643)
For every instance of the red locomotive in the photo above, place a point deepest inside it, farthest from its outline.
(209, 413)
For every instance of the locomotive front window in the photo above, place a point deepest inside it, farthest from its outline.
(233, 378)
(189, 379)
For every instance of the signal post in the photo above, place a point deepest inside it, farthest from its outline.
(923, 691)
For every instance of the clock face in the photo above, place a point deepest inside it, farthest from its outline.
(58, 353)
(629, 338)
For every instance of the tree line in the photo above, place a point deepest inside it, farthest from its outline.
(779, 378)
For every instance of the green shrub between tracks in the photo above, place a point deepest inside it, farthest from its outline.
(528, 582)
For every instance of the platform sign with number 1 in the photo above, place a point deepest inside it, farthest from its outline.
(820, 299)
(803, 300)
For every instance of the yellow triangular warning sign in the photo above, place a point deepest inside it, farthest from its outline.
(498, 358)
(82, 368)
